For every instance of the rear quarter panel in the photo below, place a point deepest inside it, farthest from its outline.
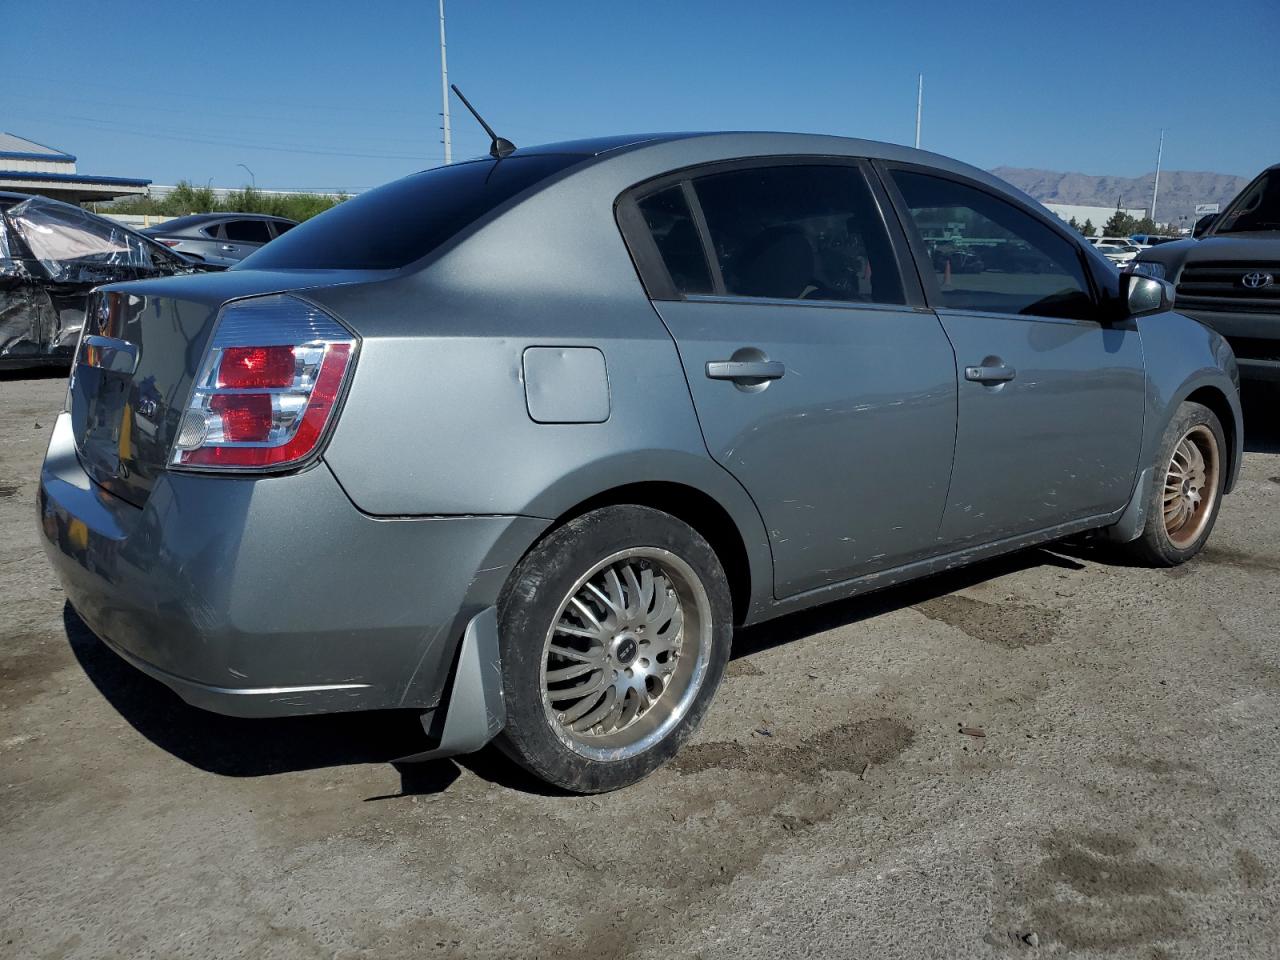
(436, 421)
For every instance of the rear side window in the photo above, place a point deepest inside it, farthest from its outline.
(670, 223)
(799, 232)
(281, 227)
(247, 231)
(403, 221)
(987, 255)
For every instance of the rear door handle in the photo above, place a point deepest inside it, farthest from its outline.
(227, 248)
(999, 373)
(745, 369)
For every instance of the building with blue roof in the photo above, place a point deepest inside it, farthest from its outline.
(30, 167)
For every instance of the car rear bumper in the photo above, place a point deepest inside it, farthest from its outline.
(272, 596)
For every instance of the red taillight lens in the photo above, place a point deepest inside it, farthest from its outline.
(267, 403)
(256, 367)
(171, 243)
(246, 417)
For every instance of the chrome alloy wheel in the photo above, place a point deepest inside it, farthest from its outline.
(626, 653)
(1191, 486)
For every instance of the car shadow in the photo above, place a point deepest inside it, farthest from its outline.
(237, 747)
(51, 372)
(1261, 425)
(842, 613)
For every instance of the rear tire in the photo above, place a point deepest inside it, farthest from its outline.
(1186, 493)
(615, 631)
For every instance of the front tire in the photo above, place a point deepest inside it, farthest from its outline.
(615, 631)
(1183, 504)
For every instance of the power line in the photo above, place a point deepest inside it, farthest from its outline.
(444, 90)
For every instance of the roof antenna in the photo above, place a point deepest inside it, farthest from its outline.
(500, 147)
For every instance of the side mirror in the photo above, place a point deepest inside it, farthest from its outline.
(1203, 224)
(1143, 295)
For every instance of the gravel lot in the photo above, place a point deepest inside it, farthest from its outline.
(1123, 802)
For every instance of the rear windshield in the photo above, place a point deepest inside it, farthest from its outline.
(403, 221)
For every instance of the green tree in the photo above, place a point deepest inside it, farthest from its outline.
(1121, 225)
(1088, 229)
(1074, 224)
(1145, 225)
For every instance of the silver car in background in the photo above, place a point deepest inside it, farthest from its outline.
(220, 239)
(518, 442)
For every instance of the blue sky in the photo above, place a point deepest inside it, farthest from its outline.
(315, 93)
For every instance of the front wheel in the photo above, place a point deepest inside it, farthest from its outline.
(1187, 492)
(615, 631)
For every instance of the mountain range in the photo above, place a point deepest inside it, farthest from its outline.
(1180, 190)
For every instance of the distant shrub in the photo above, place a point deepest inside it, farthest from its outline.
(184, 199)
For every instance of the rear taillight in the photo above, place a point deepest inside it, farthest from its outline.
(170, 243)
(267, 388)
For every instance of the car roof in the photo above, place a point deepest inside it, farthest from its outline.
(700, 146)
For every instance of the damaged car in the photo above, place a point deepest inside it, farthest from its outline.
(518, 442)
(52, 255)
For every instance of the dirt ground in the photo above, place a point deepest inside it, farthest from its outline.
(1122, 803)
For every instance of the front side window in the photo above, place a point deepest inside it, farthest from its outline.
(799, 232)
(988, 255)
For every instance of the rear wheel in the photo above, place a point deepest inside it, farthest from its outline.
(615, 632)
(1187, 492)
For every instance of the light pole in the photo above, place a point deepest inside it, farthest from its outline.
(444, 90)
(252, 178)
(1155, 189)
(919, 105)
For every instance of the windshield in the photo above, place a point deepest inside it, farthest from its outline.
(74, 246)
(403, 221)
(1258, 208)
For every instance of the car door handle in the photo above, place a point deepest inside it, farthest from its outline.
(227, 248)
(1000, 373)
(745, 369)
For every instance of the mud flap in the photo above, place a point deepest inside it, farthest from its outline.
(474, 712)
(1134, 519)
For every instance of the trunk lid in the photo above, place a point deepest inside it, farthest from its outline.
(138, 357)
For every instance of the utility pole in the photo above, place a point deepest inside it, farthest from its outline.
(1155, 190)
(919, 104)
(444, 90)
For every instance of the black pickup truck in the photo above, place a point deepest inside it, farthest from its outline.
(1228, 277)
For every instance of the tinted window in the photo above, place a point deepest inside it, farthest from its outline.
(799, 232)
(281, 227)
(1258, 208)
(989, 255)
(247, 231)
(403, 221)
(671, 224)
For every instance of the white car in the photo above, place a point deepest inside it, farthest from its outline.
(1119, 250)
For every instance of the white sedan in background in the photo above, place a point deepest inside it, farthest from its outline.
(1119, 250)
